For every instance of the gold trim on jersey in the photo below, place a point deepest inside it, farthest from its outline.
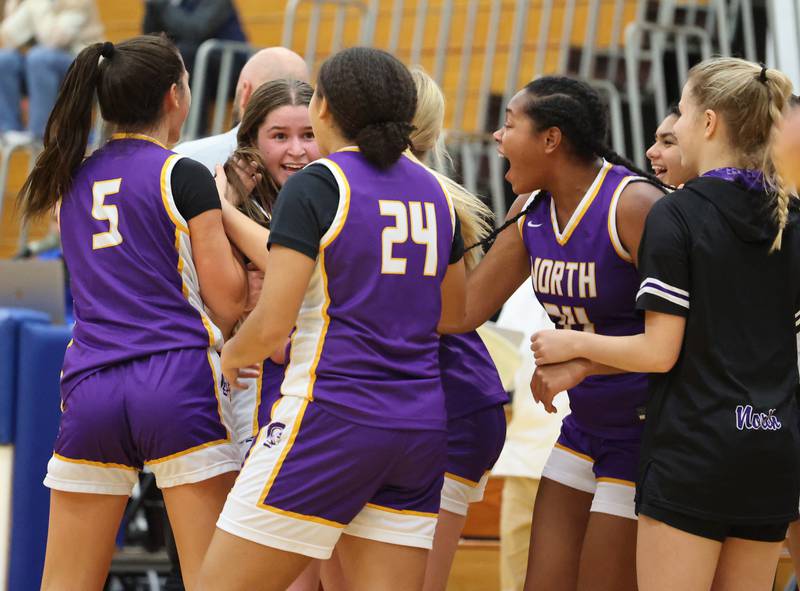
(613, 233)
(616, 481)
(563, 237)
(259, 383)
(94, 463)
(522, 219)
(300, 516)
(308, 339)
(185, 452)
(182, 235)
(217, 380)
(137, 136)
(563, 447)
(401, 511)
(461, 479)
(298, 419)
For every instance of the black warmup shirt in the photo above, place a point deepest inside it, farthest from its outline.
(721, 439)
(306, 208)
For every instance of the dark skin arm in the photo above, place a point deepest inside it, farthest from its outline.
(496, 277)
(548, 380)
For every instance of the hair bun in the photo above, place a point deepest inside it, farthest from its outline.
(107, 51)
(382, 142)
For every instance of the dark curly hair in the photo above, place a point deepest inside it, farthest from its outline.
(372, 98)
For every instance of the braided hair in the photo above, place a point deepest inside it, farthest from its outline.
(372, 97)
(578, 111)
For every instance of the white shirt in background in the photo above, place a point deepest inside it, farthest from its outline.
(210, 151)
(532, 431)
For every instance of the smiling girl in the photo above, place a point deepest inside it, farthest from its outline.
(719, 261)
(665, 155)
(275, 136)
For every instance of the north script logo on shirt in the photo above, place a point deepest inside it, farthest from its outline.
(747, 418)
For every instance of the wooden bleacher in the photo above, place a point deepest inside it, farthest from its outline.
(263, 23)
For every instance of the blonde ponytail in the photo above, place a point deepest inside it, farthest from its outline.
(751, 99)
(783, 193)
(427, 142)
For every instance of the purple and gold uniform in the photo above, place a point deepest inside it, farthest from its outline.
(357, 441)
(141, 383)
(476, 421)
(586, 280)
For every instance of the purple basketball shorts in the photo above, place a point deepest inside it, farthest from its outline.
(167, 411)
(311, 476)
(606, 468)
(474, 443)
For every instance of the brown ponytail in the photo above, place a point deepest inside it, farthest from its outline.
(130, 83)
(65, 137)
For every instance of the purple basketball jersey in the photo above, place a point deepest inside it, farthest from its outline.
(366, 346)
(586, 281)
(130, 260)
(469, 376)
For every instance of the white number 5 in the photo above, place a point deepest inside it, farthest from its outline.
(421, 233)
(106, 212)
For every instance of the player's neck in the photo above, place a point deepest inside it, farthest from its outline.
(720, 158)
(159, 133)
(569, 186)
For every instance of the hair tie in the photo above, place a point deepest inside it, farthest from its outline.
(763, 76)
(107, 51)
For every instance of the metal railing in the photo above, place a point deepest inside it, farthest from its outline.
(657, 79)
(482, 51)
(228, 51)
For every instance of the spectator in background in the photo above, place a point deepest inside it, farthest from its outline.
(39, 39)
(272, 63)
(191, 22)
(531, 434)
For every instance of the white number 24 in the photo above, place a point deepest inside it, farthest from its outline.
(421, 233)
(106, 212)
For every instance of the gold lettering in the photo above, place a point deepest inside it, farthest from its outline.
(535, 271)
(543, 276)
(586, 279)
(571, 268)
(555, 279)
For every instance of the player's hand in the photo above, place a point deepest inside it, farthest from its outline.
(553, 346)
(549, 380)
(248, 174)
(234, 375)
(221, 180)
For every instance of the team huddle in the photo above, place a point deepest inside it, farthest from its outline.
(291, 348)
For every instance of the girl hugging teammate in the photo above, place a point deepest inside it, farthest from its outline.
(156, 284)
(276, 139)
(365, 262)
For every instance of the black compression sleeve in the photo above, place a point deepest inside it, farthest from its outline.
(193, 188)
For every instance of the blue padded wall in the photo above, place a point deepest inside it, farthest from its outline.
(41, 354)
(10, 321)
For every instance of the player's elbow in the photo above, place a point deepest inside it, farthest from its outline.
(664, 359)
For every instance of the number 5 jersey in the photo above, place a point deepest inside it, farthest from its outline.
(128, 251)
